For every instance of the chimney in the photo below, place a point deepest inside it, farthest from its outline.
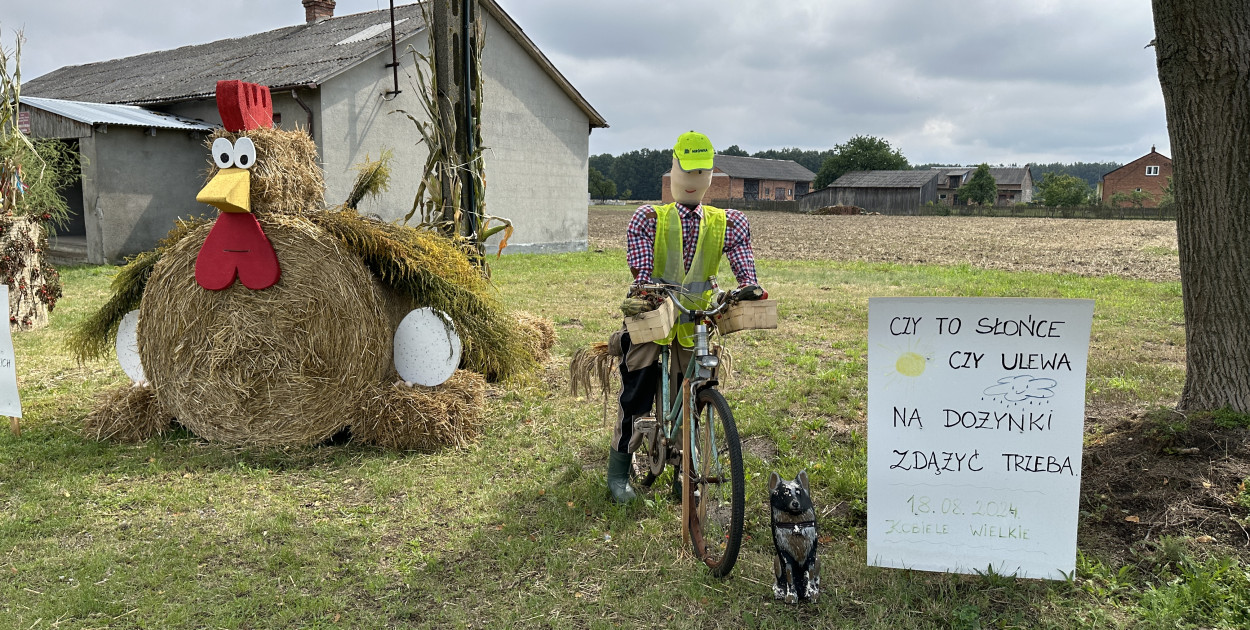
(317, 10)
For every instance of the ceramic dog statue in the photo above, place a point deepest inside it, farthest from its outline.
(794, 537)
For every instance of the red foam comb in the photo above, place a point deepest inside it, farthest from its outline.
(244, 106)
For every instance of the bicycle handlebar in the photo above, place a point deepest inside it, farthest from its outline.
(721, 300)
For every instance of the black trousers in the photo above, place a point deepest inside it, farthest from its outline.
(640, 384)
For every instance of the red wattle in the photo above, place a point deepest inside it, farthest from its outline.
(236, 246)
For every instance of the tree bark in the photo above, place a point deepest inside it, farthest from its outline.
(1203, 53)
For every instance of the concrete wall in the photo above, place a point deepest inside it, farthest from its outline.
(134, 186)
(538, 147)
(360, 123)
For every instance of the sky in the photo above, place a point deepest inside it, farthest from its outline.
(963, 82)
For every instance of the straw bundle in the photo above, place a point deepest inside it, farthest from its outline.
(538, 333)
(286, 178)
(129, 413)
(590, 366)
(283, 366)
(423, 418)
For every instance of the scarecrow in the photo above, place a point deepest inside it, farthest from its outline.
(276, 324)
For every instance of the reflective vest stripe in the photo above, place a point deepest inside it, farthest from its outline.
(669, 263)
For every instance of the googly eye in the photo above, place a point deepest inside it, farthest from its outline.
(223, 153)
(244, 153)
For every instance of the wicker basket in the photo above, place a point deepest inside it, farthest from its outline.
(652, 325)
(748, 316)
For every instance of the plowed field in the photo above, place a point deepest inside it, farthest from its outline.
(1134, 249)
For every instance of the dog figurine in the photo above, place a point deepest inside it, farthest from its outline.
(794, 537)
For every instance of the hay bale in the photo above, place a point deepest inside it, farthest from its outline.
(283, 366)
(286, 177)
(423, 418)
(538, 333)
(129, 413)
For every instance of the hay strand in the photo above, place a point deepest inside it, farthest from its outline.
(539, 335)
(591, 366)
(372, 178)
(424, 419)
(129, 413)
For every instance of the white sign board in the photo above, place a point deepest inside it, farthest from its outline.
(976, 410)
(10, 404)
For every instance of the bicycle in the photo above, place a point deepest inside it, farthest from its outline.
(699, 424)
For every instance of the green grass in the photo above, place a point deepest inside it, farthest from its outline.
(518, 530)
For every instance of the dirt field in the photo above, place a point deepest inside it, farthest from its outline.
(1134, 249)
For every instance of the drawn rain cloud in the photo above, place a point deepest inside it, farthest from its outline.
(1021, 388)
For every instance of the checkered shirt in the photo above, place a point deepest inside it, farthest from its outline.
(640, 239)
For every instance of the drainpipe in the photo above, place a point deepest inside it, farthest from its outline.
(307, 110)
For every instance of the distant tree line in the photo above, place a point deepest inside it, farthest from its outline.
(636, 174)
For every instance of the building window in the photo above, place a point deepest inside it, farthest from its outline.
(941, 196)
(766, 191)
(1138, 190)
(1152, 170)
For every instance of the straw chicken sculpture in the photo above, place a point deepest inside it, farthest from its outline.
(274, 324)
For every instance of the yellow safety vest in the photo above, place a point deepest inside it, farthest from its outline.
(669, 265)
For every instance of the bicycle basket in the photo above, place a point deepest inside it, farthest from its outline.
(652, 325)
(747, 316)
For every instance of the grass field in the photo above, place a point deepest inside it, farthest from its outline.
(518, 530)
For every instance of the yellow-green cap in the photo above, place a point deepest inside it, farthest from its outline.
(693, 151)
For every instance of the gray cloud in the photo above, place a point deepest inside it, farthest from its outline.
(981, 80)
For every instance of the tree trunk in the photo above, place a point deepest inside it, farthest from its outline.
(1203, 53)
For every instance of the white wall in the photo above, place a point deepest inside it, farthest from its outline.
(538, 145)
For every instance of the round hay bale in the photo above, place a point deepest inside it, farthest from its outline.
(539, 334)
(129, 413)
(283, 366)
(424, 418)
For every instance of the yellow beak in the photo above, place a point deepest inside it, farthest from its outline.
(228, 190)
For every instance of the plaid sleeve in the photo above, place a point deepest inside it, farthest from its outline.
(640, 241)
(738, 248)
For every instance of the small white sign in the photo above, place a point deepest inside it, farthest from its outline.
(10, 403)
(976, 411)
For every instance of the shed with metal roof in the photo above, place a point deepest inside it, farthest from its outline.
(891, 192)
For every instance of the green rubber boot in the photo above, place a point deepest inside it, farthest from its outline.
(618, 476)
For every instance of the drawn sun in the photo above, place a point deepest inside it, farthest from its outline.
(910, 362)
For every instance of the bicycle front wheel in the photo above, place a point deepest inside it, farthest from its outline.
(716, 483)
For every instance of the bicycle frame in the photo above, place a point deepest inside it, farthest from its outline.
(678, 416)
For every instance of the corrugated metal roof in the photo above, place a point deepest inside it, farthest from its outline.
(885, 179)
(95, 113)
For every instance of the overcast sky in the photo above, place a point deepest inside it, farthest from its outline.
(960, 82)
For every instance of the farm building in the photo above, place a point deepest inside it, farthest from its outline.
(329, 75)
(737, 177)
(1015, 185)
(891, 192)
(1148, 173)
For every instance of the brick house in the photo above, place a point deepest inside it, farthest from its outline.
(1015, 185)
(1148, 174)
(737, 177)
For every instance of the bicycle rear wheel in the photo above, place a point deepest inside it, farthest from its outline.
(716, 483)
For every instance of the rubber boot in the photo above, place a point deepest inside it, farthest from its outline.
(618, 476)
(674, 493)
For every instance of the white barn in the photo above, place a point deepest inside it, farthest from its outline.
(329, 75)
